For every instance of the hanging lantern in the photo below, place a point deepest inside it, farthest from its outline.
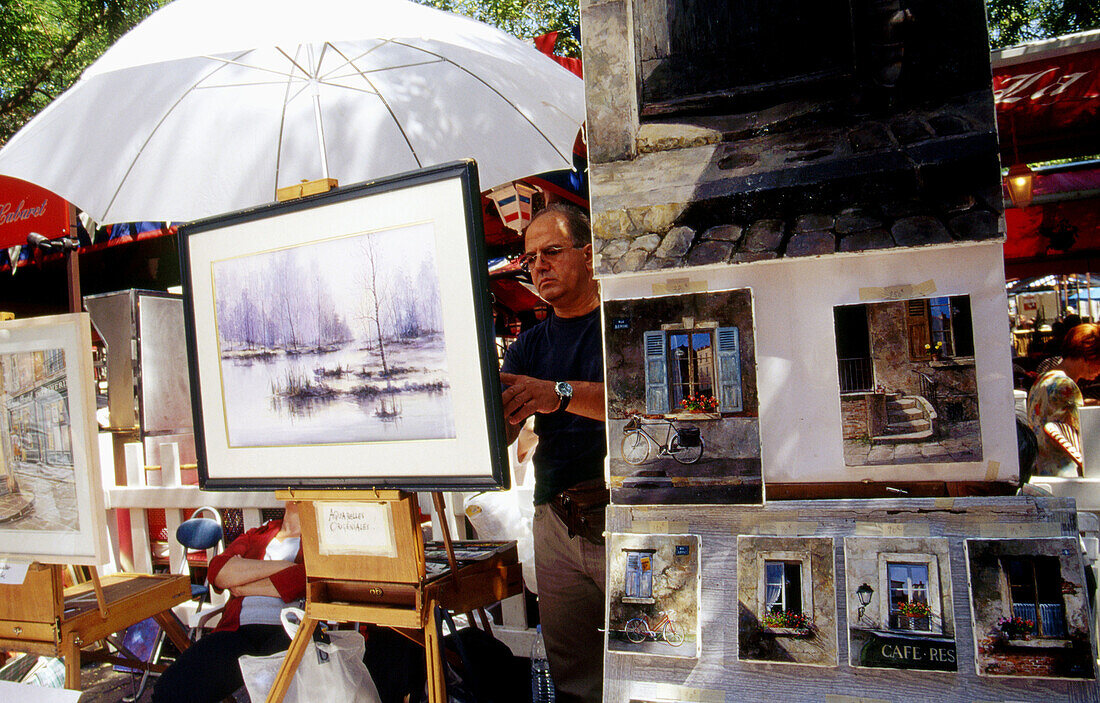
(1020, 181)
(513, 201)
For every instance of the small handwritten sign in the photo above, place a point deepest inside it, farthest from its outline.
(355, 528)
(13, 572)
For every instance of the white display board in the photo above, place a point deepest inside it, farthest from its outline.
(797, 371)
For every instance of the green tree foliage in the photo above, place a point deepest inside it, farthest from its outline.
(45, 44)
(522, 18)
(1018, 21)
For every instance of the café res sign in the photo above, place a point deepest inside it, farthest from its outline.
(26, 208)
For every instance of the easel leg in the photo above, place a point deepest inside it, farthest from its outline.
(437, 685)
(171, 627)
(71, 651)
(293, 658)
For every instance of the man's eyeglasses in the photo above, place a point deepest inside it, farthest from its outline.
(549, 255)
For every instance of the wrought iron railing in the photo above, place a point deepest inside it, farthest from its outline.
(856, 375)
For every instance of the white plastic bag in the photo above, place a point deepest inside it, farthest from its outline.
(341, 678)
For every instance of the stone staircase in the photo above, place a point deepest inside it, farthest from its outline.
(908, 419)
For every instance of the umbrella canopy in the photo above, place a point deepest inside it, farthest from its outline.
(209, 106)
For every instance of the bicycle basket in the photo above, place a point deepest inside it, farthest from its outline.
(689, 437)
(632, 424)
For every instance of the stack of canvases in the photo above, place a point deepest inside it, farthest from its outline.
(797, 224)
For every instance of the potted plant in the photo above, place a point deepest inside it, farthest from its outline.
(699, 403)
(1016, 628)
(787, 620)
(911, 611)
(935, 350)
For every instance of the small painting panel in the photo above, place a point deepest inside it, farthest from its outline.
(1029, 608)
(786, 593)
(653, 595)
(739, 132)
(899, 603)
(50, 499)
(908, 384)
(682, 410)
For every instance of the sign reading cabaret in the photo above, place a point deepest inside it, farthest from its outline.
(26, 208)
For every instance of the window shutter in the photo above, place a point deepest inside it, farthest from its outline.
(656, 374)
(919, 332)
(729, 370)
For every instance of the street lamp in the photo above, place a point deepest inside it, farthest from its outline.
(864, 593)
(1021, 179)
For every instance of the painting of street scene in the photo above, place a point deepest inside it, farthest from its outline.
(37, 474)
(682, 411)
(653, 595)
(908, 386)
(337, 341)
(1029, 602)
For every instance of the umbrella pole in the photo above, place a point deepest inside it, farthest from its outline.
(72, 266)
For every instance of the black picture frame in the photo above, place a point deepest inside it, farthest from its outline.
(443, 201)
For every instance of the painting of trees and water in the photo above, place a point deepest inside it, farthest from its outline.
(337, 341)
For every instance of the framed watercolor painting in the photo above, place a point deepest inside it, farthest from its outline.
(344, 340)
(51, 503)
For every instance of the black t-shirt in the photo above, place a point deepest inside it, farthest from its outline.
(571, 448)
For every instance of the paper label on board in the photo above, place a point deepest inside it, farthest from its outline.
(679, 286)
(1020, 529)
(13, 572)
(355, 528)
(898, 292)
(891, 529)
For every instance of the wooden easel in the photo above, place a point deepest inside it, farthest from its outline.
(41, 616)
(389, 590)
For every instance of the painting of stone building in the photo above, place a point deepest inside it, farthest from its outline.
(682, 410)
(908, 386)
(1029, 604)
(734, 131)
(653, 594)
(37, 473)
(786, 593)
(899, 603)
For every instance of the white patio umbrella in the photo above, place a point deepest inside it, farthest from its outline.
(209, 106)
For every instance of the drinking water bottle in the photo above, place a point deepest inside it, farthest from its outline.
(542, 686)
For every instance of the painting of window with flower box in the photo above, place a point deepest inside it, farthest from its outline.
(682, 409)
(1029, 604)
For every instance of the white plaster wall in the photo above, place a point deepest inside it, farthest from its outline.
(800, 422)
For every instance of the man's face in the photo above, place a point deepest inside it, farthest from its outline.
(561, 272)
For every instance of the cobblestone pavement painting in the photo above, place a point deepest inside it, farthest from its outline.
(54, 498)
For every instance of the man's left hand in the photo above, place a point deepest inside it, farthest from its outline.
(526, 396)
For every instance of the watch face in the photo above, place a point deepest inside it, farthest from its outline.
(564, 389)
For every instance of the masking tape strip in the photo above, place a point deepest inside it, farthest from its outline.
(899, 292)
(943, 503)
(891, 529)
(672, 692)
(678, 286)
(1020, 529)
(659, 527)
(991, 470)
(836, 698)
(786, 529)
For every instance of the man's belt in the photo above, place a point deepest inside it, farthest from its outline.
(581, 508)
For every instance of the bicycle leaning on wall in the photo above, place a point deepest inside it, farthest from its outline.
(684, 444)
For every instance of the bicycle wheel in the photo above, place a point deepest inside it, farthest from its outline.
(636, 630)
(672, 636)
(635, 448)
(682, 454)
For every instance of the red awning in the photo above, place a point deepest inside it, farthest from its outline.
(26, 208)
(1047, 96)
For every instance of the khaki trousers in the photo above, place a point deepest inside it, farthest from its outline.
(570, 573)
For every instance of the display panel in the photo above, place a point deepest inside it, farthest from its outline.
(900, 611)
(1029, 608)
(51, 503)
(908, 384)
(333, 338)
(653, 595)
(682, 409)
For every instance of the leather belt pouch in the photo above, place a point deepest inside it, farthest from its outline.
(581, 508)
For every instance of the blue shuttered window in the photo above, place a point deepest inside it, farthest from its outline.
(656, 374)
(729, 370)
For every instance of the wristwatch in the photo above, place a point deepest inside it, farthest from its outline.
(565, 394)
